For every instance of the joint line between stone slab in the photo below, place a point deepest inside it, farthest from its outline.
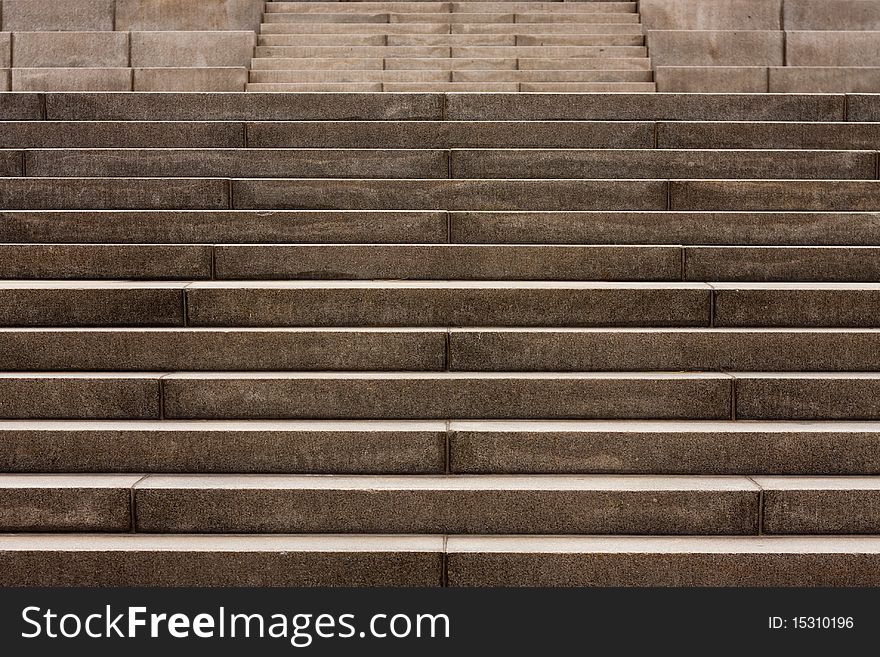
(712, 301)
(446, 341)
(683, 260)
(447, 448)
(244, 134)
(448, 226)
(760, 505)
(161, 399)
(444, 563)
(732, 397)
(132, 506)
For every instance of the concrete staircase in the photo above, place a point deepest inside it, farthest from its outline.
(428, 339)
(593, 45)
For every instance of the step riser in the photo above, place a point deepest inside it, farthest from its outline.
(440, 512)
(686, 449)
(430, 227)
(416, 107)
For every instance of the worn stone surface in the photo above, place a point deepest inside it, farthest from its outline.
(826, 48)
(635, 107)
(113, 194)
(447, 262)
(820, 505)
(679, 47)
(134, 560)
(657, 561)
(207, 15)
(154, 262)
(618, 164)
(5, 49)
(829, 79)
(633, 447)
(712, 79)
(21, 107)
(451, 134)
(50, 16)
(834, 264)
(121, 134)
(11, 163)
(39, 503)
(711, 14)
(319, 303)
(733, 134)
(443, 505)
(71, 49)
(195, 349)
(190, 79)
(238, 163)
(763, 195)
(837, 15)
(425, 194)
(731, 227)
(662, 350)
(71, 79)
(39, 303)
(233, 447)
(796, 304)
(79, 396)
(244, 107)
(191, 49)
(808, 396)
(230, 226)
(446, 395)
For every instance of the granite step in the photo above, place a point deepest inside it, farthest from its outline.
(420, 107)
(357, 560)
(430, 226)
(475, 447)
(151, 560)
(662, 561)
(461, 504)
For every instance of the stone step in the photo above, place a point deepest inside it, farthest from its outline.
(698, 228)
(820, 505)
(418, 447)
(491, 45)
(807, 395)
(371, 395)
(365, 447)
(829, 264)
(470, 164)
(424, 227)
(424, 134)
(106, 261)
(452, 87)
(447, 7)
(237, 163)
(796, 304)
(445, 18)
(451, 262)
(441, 71)
(592, 24)
(420, 107)
(463, 166)
(476, 350)
(126, 349)
(662, 561)
(81, 396)
(462, 504)
(145, 560)
(419, 303)
(762, 195)
(357, 560)
(705, 447)
(439, 395)
(230, 226)
(666, 349)
(448, 64)
(438, 303)
(370, 194)
(121, 134)
(733, 134)
(64, 503)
